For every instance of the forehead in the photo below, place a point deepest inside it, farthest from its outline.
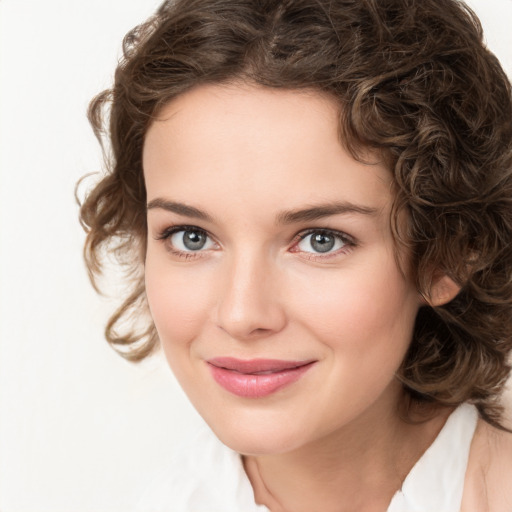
(258, 145)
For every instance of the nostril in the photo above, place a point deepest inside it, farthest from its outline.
(260, 330)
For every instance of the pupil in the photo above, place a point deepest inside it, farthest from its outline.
(322, 243)
(194, 240)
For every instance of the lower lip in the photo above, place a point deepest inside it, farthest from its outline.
(257, 386)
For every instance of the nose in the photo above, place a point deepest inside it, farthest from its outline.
(249, 305)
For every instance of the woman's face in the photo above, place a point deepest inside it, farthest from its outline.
(270, 269)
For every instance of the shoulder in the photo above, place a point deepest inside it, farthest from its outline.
(488, 480)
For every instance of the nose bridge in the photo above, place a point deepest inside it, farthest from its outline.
(248, 304)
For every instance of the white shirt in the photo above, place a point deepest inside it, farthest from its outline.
(209, 477)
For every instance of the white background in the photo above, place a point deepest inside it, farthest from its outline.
(81, 430)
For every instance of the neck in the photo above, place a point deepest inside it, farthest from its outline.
(356, 468)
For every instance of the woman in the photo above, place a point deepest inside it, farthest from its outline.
(313, 199)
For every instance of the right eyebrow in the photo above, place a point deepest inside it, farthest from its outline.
(179, 208)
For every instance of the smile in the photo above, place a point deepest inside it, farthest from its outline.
(256, 378)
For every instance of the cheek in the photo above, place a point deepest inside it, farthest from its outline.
(178, 300)
(364, 323)
(361, 312)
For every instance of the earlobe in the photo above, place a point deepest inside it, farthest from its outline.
(444, 289)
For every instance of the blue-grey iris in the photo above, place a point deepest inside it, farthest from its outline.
(322, 242)
(194, 240)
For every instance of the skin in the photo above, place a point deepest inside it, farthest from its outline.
(243, 155)
(487, 485)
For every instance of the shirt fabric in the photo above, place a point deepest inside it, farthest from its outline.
(207, 476)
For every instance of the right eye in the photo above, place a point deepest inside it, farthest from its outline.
(184, 241)
(187, 240)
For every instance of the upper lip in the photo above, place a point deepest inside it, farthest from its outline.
(256, 365)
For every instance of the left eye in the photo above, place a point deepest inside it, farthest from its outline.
(321, 242)
(190, 240)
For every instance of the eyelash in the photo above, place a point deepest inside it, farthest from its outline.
(348, 242)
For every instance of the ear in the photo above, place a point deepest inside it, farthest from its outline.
(443, 290)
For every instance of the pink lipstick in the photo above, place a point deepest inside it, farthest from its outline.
(256, 378)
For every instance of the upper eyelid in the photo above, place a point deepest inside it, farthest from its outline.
(170, 230)
(342, 234)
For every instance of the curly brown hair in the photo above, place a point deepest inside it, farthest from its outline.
(415, 82)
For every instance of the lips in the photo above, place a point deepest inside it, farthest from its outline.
(256, 378)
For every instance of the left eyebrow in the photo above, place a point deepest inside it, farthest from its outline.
(323, 210)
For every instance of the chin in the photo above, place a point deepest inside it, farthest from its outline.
(260, 436)
(248, 443)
